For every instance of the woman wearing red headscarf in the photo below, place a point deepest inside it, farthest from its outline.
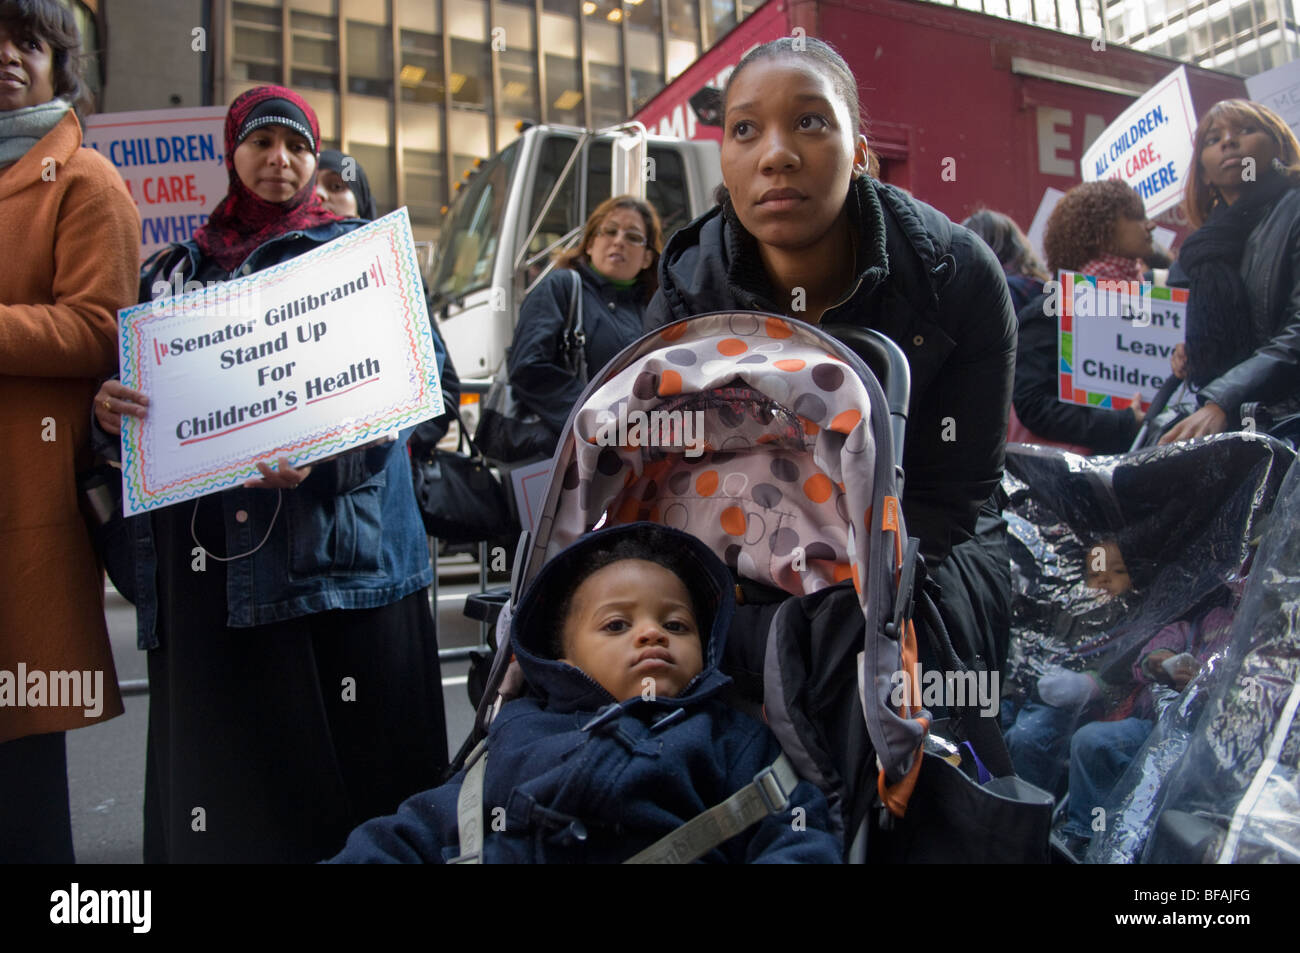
(294, 687)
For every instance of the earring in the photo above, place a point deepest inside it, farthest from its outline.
(1278, 165)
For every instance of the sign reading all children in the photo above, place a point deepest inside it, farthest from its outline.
(1150, 145)
(306, 359)
(172, 162)
(1116, 338)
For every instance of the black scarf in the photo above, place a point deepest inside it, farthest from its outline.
(1220, 334)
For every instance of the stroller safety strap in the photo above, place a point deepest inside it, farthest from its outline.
(469, 807)
(768, 793)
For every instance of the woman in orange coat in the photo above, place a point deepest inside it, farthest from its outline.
(70, 246)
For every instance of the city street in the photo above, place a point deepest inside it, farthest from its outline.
(106, 762)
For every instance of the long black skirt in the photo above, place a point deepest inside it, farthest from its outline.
(270, 744)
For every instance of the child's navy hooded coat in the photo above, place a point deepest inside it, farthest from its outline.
(573, 776)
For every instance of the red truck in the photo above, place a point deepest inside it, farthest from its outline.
(963, 110)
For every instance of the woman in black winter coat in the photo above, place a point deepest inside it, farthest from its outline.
(805, 231)
(1243, 262)
(1025, 273)
(615, 263)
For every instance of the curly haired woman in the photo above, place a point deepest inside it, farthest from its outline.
(1098, 228)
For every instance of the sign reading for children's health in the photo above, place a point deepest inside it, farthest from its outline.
(173, 164)
(1150, 145)
(1116, 338)
(306, 359)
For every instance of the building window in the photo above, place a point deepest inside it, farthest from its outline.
(518, 84)
(256, 57)
(471, 73)
(421, 72)
(608, 106)
(424, 185)
(684, 19)
(370, 60)
(564, 90)
(722, 17)
(378, 163)
(644, 14)
(315, 52)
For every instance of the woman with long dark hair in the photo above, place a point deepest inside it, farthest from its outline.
(804, 230)
(294, 685)
(1243, 270)
(1025, 273)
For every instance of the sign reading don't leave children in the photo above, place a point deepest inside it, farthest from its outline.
(1150, 145)
(173, 164)
(306, 359)
(1116, 338)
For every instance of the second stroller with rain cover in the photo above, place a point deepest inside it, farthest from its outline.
(775, 444)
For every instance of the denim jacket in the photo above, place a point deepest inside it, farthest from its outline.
(350, 537)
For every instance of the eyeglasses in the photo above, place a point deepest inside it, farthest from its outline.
(612, 232)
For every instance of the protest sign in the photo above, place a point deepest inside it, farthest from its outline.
(173, 164)
(1116, 338)
(306, 359)
(1150, 145)
(1038, 227)
(1279, 90)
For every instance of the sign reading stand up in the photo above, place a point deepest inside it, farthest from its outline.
(305, 359)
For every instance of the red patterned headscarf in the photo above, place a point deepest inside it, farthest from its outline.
(243, 221)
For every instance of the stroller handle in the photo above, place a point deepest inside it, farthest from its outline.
(1158, 403)
(888, 362)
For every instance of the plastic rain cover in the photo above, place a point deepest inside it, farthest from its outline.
(1126, 573)
(1217, 782)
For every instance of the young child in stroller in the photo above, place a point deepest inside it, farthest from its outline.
(624, 737)
(1102, 722)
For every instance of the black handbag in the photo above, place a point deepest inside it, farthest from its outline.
(953, 819)
(981, 815)
(509, 432)
(461, 500)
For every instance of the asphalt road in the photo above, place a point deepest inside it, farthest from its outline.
(106, 761)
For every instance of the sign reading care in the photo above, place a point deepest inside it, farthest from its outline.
(173, 164)
(1150, 145)
(1116, 339)
(306, 359)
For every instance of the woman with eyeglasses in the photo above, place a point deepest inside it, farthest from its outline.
(616, 262)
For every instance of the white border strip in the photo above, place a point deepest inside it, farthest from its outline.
(1247, 804)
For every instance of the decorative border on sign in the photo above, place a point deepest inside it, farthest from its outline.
(1065, 344)
(231, 471)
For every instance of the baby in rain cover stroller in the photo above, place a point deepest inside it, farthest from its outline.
(1097, 664)
(757, 436)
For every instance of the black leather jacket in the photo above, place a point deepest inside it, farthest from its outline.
(931, 286)
(1270, 268)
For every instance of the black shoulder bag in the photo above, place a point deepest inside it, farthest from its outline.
(460, 498)
(509, 432)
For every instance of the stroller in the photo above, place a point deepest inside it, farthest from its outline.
(773, 442)
(1186, 520)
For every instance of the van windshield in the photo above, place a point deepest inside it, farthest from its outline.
(468, 244)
